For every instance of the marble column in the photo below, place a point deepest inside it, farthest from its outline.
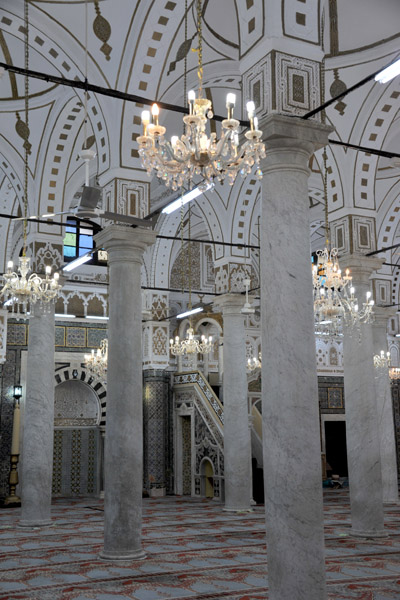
(384, 402)
(123, 452)
(362, 435)
(38, 432)
(237, 442)
(291, 440)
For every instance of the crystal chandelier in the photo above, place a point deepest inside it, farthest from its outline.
(195, 153)
(21, 291)
(334, 300)
(254, 363)
(190, 345)
(96, 363)
(394, 373)
(381, 361)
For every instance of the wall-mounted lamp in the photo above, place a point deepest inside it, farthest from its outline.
(17, 392)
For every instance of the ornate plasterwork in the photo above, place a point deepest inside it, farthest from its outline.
(127, 197)
(47, 254)
(82, 303)
(229, 276)
(329, 356)
(294, 88)
(302, 21)
(354, 234)
(70, 371)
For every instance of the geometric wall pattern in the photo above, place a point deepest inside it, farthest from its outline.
(76, 462)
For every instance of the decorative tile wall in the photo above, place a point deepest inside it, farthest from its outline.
(157, 430)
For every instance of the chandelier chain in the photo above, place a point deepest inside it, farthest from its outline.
(182, 252)
(190, 259)
(323, 120)
(200, 47)
(86, 79)
(26, 145)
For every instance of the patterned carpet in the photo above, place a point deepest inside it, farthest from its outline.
(194, 549)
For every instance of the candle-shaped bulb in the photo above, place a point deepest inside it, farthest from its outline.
(368, 295)
(191, 99)
(250, 111)
(352, 290)
(255, 120)
(347, 272)
(230, 100)
(56, 276)
(145, 120)
(251, 107)
(382, 353)
(48, 270)
(155, 111)
(174, 140)
(10, 265)
(230, 103)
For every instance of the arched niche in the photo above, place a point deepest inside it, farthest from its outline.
(75, 405)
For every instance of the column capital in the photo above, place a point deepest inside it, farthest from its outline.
(125, 243)
(361, 266)
(231, 304)
(282, 131)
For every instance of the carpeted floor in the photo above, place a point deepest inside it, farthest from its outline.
(194, 549)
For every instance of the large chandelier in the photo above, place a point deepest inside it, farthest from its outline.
(334, 300)
(19, 290)
(195, 153)
(22, 291)
(96, 362)
(190, 345)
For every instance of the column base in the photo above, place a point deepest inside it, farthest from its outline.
(110, 555)
(380, 533)
(44, 523)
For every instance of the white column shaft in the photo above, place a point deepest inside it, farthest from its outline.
(237, 442)
(384, 402)
(291, 439)
(38, 434)
(123, 452)
(362, 437)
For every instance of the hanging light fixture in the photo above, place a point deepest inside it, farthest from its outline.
(190, 345)
(382, 360)
(334, 299)
(195, 153)
(394, 373)
(96, 362)
(254, 363)
(20, 291)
